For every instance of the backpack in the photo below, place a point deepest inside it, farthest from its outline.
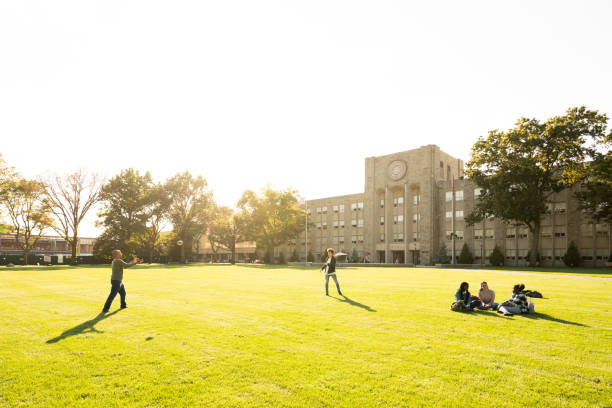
(459, 306)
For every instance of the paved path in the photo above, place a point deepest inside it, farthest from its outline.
(533, 274)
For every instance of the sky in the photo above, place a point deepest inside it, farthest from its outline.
(291, 94)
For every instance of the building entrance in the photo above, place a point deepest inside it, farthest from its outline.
(381, 256)
(398, 257)
(416, 259)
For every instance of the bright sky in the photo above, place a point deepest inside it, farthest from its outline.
(283, 92)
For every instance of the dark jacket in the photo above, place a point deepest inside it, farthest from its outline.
(332, 265)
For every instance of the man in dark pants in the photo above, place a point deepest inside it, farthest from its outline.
(117, 280)
(330, 271)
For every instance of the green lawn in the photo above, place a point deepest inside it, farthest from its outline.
(236, 336)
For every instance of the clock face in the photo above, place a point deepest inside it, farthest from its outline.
(397, 170)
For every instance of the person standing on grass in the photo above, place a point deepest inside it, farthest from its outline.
(330, 270)
(487, 297)
(117, 279)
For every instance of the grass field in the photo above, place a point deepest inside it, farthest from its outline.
(248, 336)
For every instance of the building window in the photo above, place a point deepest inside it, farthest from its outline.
(382, 203)
(477, 192)
(354, 207)
(318, 210)
(341, 239)
(601, 230)
(449, 196)
(341, 208)
(382, 220)
(511, 233)
(382, 237)
(510, 254)
(459, 234)
(416, 199)
(560, 208)
(459, 214)
(477, 234)
(324, 225)
(335, 208)
(449, 214)
(354, 223)
(324, 210)
(397, 201)
(360, 223)
(415, 218)
(523, 232)
(341, 224)
(490, 233)
(335, 224)
(360, 205)
(398, 219)
(586, 230)
(415, 236)
(318, 225)
(354, 239)
(560, 231)
(308, 212)
(546, 232)
(459, 195)
(399, 237)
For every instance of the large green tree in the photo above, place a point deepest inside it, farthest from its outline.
(24, 203)
(69, 198)
(8, 176)
(191, 206)
(271, 218)
(126, 200)
(595, 194)
(227, 228)
(156, 213)
(520, 169)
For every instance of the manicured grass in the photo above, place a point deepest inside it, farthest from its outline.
(235, 336)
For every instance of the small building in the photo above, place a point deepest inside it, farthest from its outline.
(47, 246)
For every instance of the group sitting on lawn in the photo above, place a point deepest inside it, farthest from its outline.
(464, 301)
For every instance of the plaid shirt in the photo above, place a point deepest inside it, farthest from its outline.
(520, 300)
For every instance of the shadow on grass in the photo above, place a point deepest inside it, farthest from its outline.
(488, 313)
(544, 316)
(353, 303)
(85, 327)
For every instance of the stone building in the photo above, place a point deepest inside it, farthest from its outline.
(405, 214)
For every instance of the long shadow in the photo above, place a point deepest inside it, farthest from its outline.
(354, 303)
(488, 313)
(85, 327)
(544, 316)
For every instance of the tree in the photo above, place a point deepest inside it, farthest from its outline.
(125, 200)
(595, 196)
(354, 255)
(443, 257)
(8, 177)
(294, 256)
(69, 198)
(190, 210)
(156, 213)
(465, 257)
(572, 256)
(496, 258)
(518, 170)
(272, 218)
(226, 229)
(309, 256)
(23, 201)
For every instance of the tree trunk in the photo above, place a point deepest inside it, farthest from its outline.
(535, 244)
(26, 252)
(75, 243)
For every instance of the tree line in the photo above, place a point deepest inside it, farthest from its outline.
(142, 217)
(518, 171)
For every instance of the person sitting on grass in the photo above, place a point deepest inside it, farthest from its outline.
(487, 297)
(463, 295)
(117, 279)
(517, 304)
(330, 270)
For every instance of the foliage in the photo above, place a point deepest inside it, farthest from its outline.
(156, 211)
(190, 211)
(518, 170)
(69, 198)
(227, 228)
(595, 196)
(442, 256)
(572, 256)
(496, 258)
(465, 257)
(29, 216)
(271, 218)
(354, 255)
(126, 200)
(294, 256)
(310, 256)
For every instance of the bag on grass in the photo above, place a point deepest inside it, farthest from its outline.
(459, 306)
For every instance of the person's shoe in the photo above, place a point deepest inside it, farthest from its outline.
(340, 293)
(104, 310)
(508, 314)
(327, 294)
(123, 307)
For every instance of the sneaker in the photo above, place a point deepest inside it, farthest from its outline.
(340, 293)
(123, 307)
(104, 310)
(508, 314)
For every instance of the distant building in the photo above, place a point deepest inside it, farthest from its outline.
(245, 252)
(405, 215)
(47, 246)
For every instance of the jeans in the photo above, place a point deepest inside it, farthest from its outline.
(492, 307)
(510, 309)
(116, 287)
(327, 283)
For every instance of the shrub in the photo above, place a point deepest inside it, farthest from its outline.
(267, 257)
(294, 257)
(572, 256)
(310, 257)
(496, 258)
(443, 257)
(466, 255)
(354, 255)
(281, 258)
